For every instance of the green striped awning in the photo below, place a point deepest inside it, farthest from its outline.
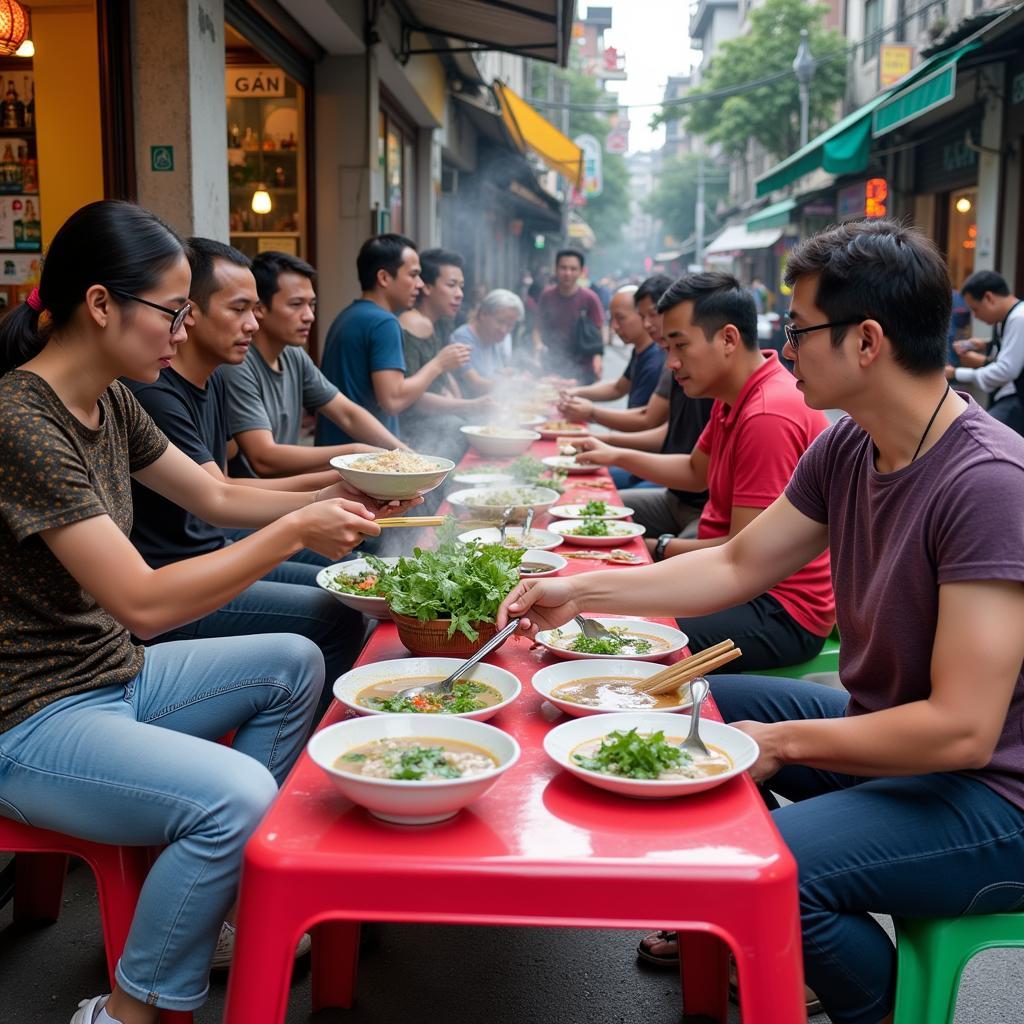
(929, 91)
(845, 148)
(774, 216)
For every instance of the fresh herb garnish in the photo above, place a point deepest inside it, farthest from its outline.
(633, 756)
(594, 528)
(462, 582)
(368, 583)
(607, 644)
(461, 700)
(415, 763)
(594, 508)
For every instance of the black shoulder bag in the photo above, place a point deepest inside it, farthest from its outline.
(586, 340)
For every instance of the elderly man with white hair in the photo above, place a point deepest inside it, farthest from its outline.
(488, 336)
(641, 375)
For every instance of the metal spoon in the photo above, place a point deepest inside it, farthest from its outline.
(530, 513)
(693, 744)
(506, 518)
(447, 685)
(593, 630)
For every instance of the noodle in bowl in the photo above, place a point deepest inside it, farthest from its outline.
(392, 475)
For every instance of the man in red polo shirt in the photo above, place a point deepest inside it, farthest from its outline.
(759, 428)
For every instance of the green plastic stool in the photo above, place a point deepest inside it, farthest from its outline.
(826, 660)
(931, 954)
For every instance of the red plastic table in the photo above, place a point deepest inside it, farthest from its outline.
(541, 848)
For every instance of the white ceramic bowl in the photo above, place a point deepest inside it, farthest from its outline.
(540, 540)
(374, 607)
(389, 486)
(510, 440)
(576, 511)
(353, 682)
(569, 464)
(675, 638)
(529, 422)
(621, 533)
(551, 433)
(482, 479)
(540, 500)
(547, 680)
(408, 802)
(538, 556)
(561, 741)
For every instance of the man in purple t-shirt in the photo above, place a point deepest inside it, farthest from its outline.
(559, 308)
(908, 788)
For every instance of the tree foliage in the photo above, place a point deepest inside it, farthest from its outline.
(674, 198)
(607, 213)
(769, 114)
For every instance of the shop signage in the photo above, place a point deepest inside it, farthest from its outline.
(894, 61)
(161, 158)
(593, 173)
(945, 161)
(254, 81)
(865, 199)
(617, 140)
(1017, 89)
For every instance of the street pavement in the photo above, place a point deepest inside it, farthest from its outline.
(418, 972)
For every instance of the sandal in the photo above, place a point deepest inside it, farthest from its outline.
(672, 960)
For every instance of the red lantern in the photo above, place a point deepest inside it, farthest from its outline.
(13, 26)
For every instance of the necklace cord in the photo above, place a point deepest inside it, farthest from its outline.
(920, 444)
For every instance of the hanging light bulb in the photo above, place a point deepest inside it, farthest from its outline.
(13, 26)
(27, 49)
(963, 205)
(261, 202)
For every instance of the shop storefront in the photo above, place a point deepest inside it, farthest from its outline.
(1013, 136)
(946, 177)
(268, 144)
(396, 160)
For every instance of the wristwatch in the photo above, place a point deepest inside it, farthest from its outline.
(659, 548)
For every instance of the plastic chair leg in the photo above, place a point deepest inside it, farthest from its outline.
(39, 886)
(704, 969)
(930, 961)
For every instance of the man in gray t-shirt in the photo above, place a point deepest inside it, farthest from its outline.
(268, 391)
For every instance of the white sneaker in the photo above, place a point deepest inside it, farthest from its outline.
(88, 1008)
(226, 950)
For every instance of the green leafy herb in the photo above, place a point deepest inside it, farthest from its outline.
(417, 763)
(462, 582)
(614, 644)
(633, 756)
(461, 700)
(593, 528)
(368, 583)
(594, 508)
(530, 472)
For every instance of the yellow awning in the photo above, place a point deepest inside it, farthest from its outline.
(533, 132)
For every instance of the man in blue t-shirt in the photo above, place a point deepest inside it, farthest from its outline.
(363, 354)
(641, 375)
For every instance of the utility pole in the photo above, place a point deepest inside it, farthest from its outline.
(568, 185)
(803, 66)
(698, 211)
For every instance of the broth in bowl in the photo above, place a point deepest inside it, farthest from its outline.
(629, 754)
(616, 693)
(416, 758)
(466, 696)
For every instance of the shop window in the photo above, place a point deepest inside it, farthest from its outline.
(21, 236)
(962, 237)
(872, 28)
(266, 153)
(396, 154)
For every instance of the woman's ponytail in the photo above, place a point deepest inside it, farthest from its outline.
(20, 337)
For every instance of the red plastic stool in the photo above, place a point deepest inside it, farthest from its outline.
(40, 868)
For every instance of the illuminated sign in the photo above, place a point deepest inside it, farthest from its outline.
(876, 195)
(865, 199)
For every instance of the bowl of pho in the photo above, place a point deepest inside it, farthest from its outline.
(597, 533)
(499, 441)
(637, 754)
(487, 503)
(409, 770)
(358, 585)
(373, 689)
(580, 688)
(634, 639)
(394, 475)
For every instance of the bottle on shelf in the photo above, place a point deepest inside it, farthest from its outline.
(33, 233)
(30, 176)
(29, 87)
(12, 110)
(250, 141)
(10, 171)
(234, 137)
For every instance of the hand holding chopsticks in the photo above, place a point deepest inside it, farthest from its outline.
(675, 676)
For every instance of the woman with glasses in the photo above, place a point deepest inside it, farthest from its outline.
(98, 738)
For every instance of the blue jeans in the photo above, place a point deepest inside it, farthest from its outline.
(287, 600)
(135, 765)
(939, 845)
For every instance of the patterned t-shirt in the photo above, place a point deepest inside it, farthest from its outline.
(55, 640)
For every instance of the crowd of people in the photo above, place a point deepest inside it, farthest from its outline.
(163, 524)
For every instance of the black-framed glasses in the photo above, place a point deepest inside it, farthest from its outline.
(178, 316)
(793, 333)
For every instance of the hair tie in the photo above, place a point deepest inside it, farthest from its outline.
(34, 301)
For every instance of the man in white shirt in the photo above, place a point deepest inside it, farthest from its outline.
(1002, 374)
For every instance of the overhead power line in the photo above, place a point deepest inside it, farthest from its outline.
(732, 90)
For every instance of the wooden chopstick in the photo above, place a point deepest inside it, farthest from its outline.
(688, 665)
(693, 671)
(389, 521)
